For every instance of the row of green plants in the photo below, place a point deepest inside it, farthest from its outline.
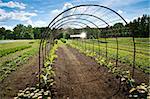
(124, 44)
(43, 89)
(142, 60)
(133, 90)
(48, 74)
(123, 47)
(4, 52)
(11, 65)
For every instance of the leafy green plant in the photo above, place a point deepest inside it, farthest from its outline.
(51, 58)
(91, 54)
(63, 40)
(48, 73)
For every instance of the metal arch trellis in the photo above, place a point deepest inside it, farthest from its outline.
(73, 8)
(83, 19)
(60, 25)
(88, 21)
(45, 48)
(66, 21)
(48, 31)
(69, 21)
(77, 7)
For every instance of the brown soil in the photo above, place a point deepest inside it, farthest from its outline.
(23, 77)
(78, 77)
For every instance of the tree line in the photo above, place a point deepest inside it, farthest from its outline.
(21, 32)
(139, 27)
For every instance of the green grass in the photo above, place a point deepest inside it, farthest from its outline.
(125, 50)
(16, 44)
(4, 52)
(18, 57)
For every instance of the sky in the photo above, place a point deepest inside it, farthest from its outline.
(39, 13)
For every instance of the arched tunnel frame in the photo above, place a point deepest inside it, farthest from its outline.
(51, 24)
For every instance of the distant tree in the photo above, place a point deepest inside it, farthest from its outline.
(23, 32)
(140, 27)
(28, 33)
(37, 33)
(2, 33)
(118, 25)
(18, 31)
(9, 34)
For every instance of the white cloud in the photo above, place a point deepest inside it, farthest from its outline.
(22, 15)
(12, 4)
(38, 23)
(55, 12)
(36, 11)
(3, 15)
(15, 15)
(29, 22)
(120, 11)
(67, 5)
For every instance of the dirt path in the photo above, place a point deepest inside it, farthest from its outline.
(78, 77)
(24, 76)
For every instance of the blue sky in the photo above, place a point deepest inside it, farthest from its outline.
(40, 12)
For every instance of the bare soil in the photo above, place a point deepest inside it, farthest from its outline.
(23, 77)
(78, 77)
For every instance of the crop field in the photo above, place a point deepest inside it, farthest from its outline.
(18, 64)
(14, 54)
(125, 52)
